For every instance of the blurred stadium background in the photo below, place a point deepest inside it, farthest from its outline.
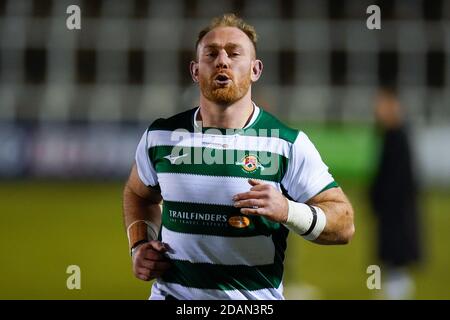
(73, 104)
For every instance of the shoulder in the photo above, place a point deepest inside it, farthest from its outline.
(270, 122)
(182, 120)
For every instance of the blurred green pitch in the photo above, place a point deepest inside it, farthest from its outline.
(47, 226)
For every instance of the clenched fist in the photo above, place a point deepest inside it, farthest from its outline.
(149, 261)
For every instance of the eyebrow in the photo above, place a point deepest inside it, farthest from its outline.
(229, 45)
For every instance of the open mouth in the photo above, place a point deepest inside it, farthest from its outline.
(222, 79)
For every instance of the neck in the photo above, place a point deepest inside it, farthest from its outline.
(233, 116)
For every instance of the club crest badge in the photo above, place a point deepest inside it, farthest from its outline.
(250, 163)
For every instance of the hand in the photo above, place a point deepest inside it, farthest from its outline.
(149, 261)
(263, 200)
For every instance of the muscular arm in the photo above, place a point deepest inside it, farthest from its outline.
(139, 201)
(339, 212)
(142, 203)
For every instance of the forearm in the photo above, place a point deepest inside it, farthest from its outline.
(339, 226)
(142, 215)
(137, 208)
(327, 218)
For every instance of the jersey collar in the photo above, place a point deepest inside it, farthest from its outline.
(255, 114)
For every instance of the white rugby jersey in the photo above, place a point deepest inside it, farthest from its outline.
(219, 253)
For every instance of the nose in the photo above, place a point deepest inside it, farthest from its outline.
(222, 61)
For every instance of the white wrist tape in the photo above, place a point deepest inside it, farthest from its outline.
(305, 220)
(152, 229)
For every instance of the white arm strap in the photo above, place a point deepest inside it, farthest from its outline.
(307, 221)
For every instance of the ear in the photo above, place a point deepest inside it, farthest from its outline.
(194, 70)
(257, 68)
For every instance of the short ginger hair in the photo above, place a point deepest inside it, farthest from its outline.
(229, 20)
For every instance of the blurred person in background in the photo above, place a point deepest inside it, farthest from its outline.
(394, 199)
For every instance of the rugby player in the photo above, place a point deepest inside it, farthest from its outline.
(233, 181)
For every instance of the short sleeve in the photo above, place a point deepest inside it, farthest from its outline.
(307, 174)
(145, 168)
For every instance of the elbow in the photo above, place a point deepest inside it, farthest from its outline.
(347, 233)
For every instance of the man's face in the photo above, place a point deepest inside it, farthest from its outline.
(225, 67)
